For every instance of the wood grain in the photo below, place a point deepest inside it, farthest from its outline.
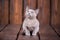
(44, 14)
(55, 15)
(40, 7)
(4, 14)
(0, 10)
(16, 13)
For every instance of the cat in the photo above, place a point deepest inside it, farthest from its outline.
(30, 22)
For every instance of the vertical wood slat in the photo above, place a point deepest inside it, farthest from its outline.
(58, 11)
(11, 11)
(0, 10)
(4, 14)
(44, 13)
(55, 20)
(55, 15)
(16, 13)
(40, 6)
(31, 4)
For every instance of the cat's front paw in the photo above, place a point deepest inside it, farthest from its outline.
(34, 34)
(27, 34)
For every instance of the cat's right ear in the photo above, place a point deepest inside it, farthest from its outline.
(27, 8)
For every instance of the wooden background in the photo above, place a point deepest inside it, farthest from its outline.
(12, 11)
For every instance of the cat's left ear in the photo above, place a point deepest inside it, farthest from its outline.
(37, 11)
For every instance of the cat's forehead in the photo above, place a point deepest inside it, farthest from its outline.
(31, 10)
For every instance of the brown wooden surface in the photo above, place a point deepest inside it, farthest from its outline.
(0, 10)
(55, 21)
(17, 8)
(58, 16)
(16, 12)
(4, 14)
(44, 13)
(55, 14)
(10, 32)
(47, 33)
(2, 27)
(40, 6)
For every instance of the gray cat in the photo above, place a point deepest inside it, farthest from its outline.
(30, 22)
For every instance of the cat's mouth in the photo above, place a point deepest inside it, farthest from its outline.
(30, 18)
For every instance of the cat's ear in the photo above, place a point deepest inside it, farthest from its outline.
(27, 8)
(37, 11)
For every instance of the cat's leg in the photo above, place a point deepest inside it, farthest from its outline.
(27, 32)
(35, 30)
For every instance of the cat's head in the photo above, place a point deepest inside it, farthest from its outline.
(30, 13)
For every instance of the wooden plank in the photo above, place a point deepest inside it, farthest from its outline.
(47, 33)
(44, 14)
(55, 14)
(0, 10)
(40, 6)
(55, 20)
(4, 14)
(16, 12)
(10, 32)
(24, 9)
(58, 17)
(2, 27)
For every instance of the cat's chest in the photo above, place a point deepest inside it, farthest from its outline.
(31, 23)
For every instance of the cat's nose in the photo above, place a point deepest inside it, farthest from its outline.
(29, 14)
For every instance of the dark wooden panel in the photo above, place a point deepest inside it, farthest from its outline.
(40, 6)
(55, 14)
(58, 16)
(44, 13)
(55, 20)
(4, 14)
(0, 10)
(16, 12)
(24, 7)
